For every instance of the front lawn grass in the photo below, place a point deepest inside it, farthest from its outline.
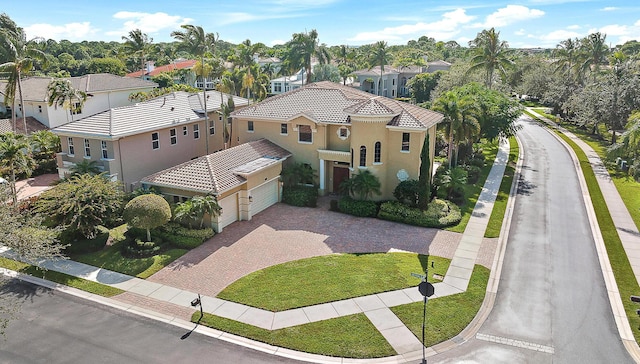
(330, 278)
(472, 192)
(446, 316)
(500, 206)
(65, 279)
(351, 336)
(111, 258)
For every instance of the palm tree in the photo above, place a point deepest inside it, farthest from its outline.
(364, 185)
(60, 92)
(458, 116)
(21, 55)
(185, 212)
(206, 205)
(379, 56)
(45, 143)
(15, 154)
(304, 46)
(594, 51)
(566, 55)
(199, 43)
(85, 166)
(138, 44)
(453, 180)
(226, 109)
(490, 54)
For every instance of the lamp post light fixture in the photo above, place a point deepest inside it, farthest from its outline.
(426, 289)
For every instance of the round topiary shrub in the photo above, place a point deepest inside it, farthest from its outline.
(147, 212)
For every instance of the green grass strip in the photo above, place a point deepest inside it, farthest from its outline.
(500, 206)
(446, 316)
(330, 278)
(351, 336)
(65, 279)
(624, 276)
(490, 150)
(111, 258)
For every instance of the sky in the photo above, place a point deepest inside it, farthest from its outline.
(524, 24)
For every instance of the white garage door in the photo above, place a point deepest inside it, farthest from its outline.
(264, 196)
(229, 206)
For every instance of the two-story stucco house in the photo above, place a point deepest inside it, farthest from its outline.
(104, 91)
(132, 142)
(339, 131)
(392, 82)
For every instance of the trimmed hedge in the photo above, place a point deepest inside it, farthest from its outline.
(142, 249)
(300, 195)
(439, 214)
(358, 207)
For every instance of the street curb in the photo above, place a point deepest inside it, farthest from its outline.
(615, 300)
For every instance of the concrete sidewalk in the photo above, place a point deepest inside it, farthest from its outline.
(375, 307)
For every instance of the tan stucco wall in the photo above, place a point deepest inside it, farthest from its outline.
(334, 141)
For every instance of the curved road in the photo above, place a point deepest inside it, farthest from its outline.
(552, 305)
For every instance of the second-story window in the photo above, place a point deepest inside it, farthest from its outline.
(405, 142)
(185, 130)
(76, 108)
(173, 136)
(305, 134)
(196, 131)
(212, 127)
(71, 148)
(377, 152)
(363, 156)
(155, 140)
(283, 129)
(105, 151)
(87, 148)
(250, 126)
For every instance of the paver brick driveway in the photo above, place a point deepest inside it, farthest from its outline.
(284, 233)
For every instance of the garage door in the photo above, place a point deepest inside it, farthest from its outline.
(264, 196)
(229, 206)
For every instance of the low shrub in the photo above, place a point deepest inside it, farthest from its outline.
(407, 192)
(477, 160)
(141, 249)
(45, 166)
(182, 237)
(358, 207)
(473, 174)
(439, 214)
(300, 195)
(186, 242)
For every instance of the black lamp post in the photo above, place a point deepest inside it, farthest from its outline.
(196, 302)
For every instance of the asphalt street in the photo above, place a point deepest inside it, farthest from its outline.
(552, 305)
(54, 327)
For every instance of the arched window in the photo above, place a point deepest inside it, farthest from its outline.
(376, 152)
(363, 156)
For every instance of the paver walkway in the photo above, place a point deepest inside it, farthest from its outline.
(375, 307)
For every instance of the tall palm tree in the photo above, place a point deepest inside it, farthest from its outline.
(594, 51)
(566, 57)
(45, 143)
(490, 54)
(364, 185)
(138, 44)
(458, 116)
(345, 57)
(21, 56)
(60, 92)
(85, 166)
(304, 46)
(196, 41)
(15, 154)
(379, 56)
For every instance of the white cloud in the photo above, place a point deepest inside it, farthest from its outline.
(277, 41)
(70, 31)
(147, 22)
(233, 18)
(574, 27)
(552, 39)
(609, 8)
(445, 28)
(520, 32)
(509, 15)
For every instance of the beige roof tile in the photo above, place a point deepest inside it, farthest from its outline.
(220, 171)
(328, 102)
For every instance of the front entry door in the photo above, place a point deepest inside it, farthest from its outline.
(339, 175)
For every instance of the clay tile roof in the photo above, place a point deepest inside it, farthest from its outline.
(166, 68)
(220, 171)
(328, 102)
(33, 125)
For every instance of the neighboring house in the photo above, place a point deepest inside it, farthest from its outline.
(104, 91)
(151, 70)
(339, 131)
(393, 81)
(287, 83)
(33, 125)
(132, 142)
(244, 179)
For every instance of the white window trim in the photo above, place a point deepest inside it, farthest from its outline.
(196, 131)
(87, 148)
(287, 126)
(70, 146)
(253, 126)
(343, 128)
(185, 130)
(157, 140)
(103, 149)
(303, 142)
(173, 137)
